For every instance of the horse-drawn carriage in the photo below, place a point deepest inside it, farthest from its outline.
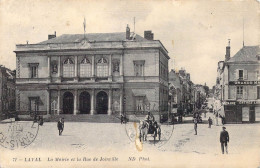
(149, 127)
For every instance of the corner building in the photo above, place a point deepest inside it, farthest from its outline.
(108, 73)
(239, 85)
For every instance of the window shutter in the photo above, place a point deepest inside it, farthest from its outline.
(245, 94)
(250, 92)
(232, 92)
(245, 74)
(237, 74)
(254, 92)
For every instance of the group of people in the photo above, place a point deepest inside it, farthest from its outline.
(224, 136)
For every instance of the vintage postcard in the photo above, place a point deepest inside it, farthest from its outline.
(129, 83)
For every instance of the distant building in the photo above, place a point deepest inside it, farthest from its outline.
(100, 73)
(201, 95)
(175, 91)
(238, 85)
(7, 92)
(184, 91)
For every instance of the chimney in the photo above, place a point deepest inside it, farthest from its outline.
(50, 36)
(227, 57)
(127, 32)
(148, 35)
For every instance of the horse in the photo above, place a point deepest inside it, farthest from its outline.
(143, 129)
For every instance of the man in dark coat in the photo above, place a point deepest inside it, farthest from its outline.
(195, 125)
(224, 139)
(210, 122)
(60, 126)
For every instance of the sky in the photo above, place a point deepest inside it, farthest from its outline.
(195, 33)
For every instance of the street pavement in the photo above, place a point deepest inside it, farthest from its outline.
(183, 147)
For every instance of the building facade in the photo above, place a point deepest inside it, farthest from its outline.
(109, 73)
(7, 92)
(183, 93)
(238, 85)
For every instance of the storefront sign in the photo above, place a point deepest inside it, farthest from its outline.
(240, 102)
(244, 82)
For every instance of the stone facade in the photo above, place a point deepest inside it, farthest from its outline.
(238, 85)
(7, 92)
(93, 74)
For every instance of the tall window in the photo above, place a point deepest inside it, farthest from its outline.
(85, 68)
(258, 92)
(239, 92)
(102, 68)
(139, 68)
(139, 104)
(241, 74)
(68, 68)
(34, 103)
(33, 70)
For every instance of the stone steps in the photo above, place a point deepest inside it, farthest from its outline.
(99, 118)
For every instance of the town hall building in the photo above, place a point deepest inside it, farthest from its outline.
(99, 73)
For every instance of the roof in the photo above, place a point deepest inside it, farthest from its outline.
(245, 54)
(71, 38)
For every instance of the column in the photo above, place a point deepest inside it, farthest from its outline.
(58, 103)
(110, 66)
(121, 66)
(76, 68)
(59, 69)
(121, 102)
(92, 110)
(109, 111)
(48, 102)
(75, 102)
(49, 66)
(93, 65)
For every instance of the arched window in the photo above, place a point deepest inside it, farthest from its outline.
(68, 68)
(102, 68)
(85, 68)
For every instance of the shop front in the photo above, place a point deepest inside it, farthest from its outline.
(242, 111)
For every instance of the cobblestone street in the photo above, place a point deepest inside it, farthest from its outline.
(94, 139)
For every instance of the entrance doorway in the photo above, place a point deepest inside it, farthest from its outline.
(245, 114)
(84, 103)
(68, 103)
(102, 103)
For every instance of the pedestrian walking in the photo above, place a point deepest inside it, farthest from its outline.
(60, 126)
(195, 125)
(210, 122)
(122, 119)
(224, 139)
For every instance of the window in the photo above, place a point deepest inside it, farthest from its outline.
(102, 68)
(258, 92)
(139, 68)
(241, 75)
(239, 92)
(85, 68)
(257, 75)
(33, 70)
(33, 103)
(68, 68)
(139, 104)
